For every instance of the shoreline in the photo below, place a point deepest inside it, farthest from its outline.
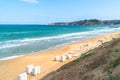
(39, 46)
(54, 47)
(11, 68)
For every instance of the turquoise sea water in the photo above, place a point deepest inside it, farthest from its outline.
(16, 40)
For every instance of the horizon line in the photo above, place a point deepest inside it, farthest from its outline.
(53, 22)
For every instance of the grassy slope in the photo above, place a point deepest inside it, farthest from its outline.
(102, 63)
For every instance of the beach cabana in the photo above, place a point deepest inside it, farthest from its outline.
(35, 71)
(38, 69)
(69, 56)
(29, 69)
(63, 58)
(56, 58)
(22, 76)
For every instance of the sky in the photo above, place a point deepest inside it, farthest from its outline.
(49, 11)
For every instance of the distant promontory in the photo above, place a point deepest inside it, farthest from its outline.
(89, 22)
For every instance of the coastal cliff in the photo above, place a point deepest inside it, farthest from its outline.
(89, 22)
(101, 63)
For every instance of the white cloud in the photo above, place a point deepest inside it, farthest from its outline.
(31, 1)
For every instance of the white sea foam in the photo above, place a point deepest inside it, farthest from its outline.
(71, 36)
(9, 44)
(15, 33)
(11, 57)
(20, 42)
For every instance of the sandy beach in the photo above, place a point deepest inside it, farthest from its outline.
(9, 69)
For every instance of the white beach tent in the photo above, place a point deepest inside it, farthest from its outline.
(38, 69)
(29, 69)
(63, 58)
(56, 58)
(69, 56)
(22, 76)
(35, 71)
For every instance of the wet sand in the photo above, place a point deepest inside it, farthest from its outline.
(9, 69)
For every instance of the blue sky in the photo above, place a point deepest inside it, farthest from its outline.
(48, 11)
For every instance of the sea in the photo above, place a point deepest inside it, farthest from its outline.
(19, 40)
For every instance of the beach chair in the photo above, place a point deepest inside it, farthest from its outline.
(38, 69)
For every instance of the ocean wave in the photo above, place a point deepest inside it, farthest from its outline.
(21, 42)
(16, 33)
(11, 57)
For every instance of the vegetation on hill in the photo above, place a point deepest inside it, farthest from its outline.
(90, 22)
(102, 63)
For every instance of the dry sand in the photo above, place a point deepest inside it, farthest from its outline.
(9, 69)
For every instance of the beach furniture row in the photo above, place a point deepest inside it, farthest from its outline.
(30, 70)
(33, 70)
(63, 57)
